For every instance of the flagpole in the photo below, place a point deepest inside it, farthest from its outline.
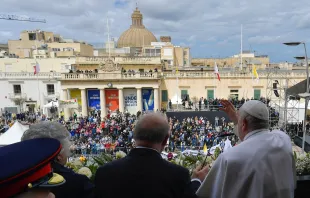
(177, 78)
(37, 73)
(108, 37)
(241, 64)
(214, 83)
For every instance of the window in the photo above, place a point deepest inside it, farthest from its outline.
(17, 89)
(164, 95)
(184, 94)
(256, 94)
(210, 94)
(32, 36)
(234, 93)
(50, 89)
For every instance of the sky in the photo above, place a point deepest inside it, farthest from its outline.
(211, 28)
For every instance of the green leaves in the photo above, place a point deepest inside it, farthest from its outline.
(103, 158)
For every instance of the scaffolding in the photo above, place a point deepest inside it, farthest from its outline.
(283, 109)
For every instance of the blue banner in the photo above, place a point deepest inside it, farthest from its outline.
(148, 99)
(94, 99)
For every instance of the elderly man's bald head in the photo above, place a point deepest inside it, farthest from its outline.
(152, 128)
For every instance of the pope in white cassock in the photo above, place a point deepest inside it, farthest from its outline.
(261, 166)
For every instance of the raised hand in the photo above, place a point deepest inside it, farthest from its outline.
(230, 110)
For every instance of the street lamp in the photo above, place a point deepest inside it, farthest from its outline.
(307, 86)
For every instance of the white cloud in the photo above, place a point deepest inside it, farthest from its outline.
(209, 27)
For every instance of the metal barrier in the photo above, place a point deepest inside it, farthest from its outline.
(196, 107)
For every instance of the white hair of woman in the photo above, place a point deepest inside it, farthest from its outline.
(55, 130)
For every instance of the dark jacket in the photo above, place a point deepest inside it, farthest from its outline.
(144, 174)
(76, 186)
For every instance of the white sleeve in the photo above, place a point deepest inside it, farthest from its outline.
(214, 181)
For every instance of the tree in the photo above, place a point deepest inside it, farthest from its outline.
(19, 101)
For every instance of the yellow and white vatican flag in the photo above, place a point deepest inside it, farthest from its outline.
(255, 74)
(205, 149)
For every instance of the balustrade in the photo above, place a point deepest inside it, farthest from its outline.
(90, 76)
(25, 75)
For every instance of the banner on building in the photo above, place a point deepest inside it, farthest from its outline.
(148, 99)
(111, 99)
(76, 93)
(130, 100)
(93, 98)
(72, 103)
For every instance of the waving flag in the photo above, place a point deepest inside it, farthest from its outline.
(36, 68)
(216, 71)
(255, 74)
(205, 149)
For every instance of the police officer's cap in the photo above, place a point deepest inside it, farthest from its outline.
(27, 165)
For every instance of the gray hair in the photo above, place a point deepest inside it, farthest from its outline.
(253, 122)
(28, 194)
(151, 127)
(49, 129)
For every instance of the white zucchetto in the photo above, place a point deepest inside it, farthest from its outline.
(256, 109)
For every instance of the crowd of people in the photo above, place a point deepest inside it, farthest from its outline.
(89, 135)
(261, 165)
(202, 103)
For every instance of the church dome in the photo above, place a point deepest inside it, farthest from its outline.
(137, 35)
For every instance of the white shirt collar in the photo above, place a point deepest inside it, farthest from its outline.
(147, 148)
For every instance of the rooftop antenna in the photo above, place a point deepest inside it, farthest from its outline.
(108, 37)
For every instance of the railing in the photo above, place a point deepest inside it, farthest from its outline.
(27, 75)
(196, 107)
(223, 74)
(51, 95)
(17, 95)
(90, 76)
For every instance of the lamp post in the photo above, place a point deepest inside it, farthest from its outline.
(307, 87)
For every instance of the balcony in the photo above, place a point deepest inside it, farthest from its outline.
(109, 76)
(224, 74)
(51, 95)
(29, 75)
(13, 96)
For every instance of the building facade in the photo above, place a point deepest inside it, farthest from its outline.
(248, 59)
(142, 90)
(43, 44)
(24, 91)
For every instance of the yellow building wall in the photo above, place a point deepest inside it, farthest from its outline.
(83, 49)
(221, 62)
(198, 87)
(178, 56)
(86, 50)
(17, 47)
(26, 65)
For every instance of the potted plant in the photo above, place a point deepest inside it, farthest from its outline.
(303, 175)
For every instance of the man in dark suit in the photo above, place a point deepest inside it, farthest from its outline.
(143, 173)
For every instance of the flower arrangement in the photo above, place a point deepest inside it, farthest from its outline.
(302, 163)
(88, 166)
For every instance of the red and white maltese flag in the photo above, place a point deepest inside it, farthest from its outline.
(216, 71)
(36, 68)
